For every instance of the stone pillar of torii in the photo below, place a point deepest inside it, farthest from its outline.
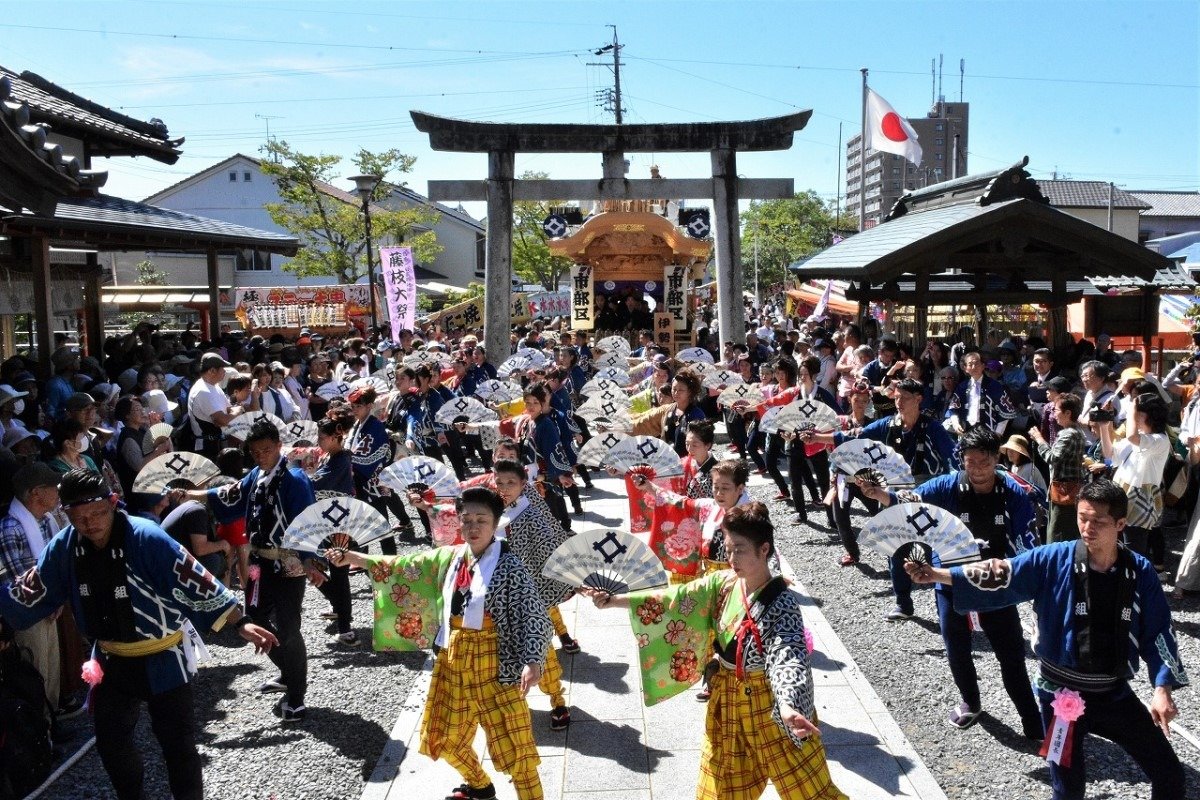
(502, 141)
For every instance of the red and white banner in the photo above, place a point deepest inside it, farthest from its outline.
(400, 287)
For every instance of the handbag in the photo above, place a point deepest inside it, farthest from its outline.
(1065, 493)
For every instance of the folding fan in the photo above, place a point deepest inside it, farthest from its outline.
(747, 394)
(495, 391)
(815, 413)
(420, 471)
(618, 360)
(431, 358)
(159, 473)
(614, 344)
(858, 455)
(609, 560)
(334, 390)
(917, 527)
(463, 409)
(596, 385)
(635, 451)
(536, 357)
(721, 378)
(701, 368)
(596, 449)
(302, 431)
(378, 384)
(798, 416)
(240, 426)
(154, 433)
(689, 354)
(617, 396)
(619, 422)
(335, 522)
(387, 375)
(617, 376)
(380, 407)
(596, 407)
(514, 364)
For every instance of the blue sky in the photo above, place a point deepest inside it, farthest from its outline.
(1094, 90)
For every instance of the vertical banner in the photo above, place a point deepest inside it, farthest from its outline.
(675, 294)
(400, 287)
(582, 306)
(664, 331)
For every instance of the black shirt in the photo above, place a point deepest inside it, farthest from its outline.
(983, 514)
(186, 520)
(1102, 592)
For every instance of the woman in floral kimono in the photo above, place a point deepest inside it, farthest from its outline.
(478, 604)
(685, 533)
(761, 723)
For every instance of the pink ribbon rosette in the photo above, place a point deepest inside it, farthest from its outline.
(1068, 706)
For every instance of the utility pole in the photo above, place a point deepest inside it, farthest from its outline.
(615, 49)
(267, 119)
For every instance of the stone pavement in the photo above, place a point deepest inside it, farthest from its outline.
(618, 748)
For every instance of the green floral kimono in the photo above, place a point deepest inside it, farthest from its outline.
(674, 626)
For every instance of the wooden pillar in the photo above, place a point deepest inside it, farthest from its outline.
(921, 313)
(214, 296)
(1150, 304)
(43, 312)
(497, 295)
(730, 311)
(8, 337)
(93, 311)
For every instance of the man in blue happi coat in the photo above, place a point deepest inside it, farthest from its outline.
(137, 593)
(1100, 608)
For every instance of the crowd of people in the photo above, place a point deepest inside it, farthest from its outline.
(1062, 464)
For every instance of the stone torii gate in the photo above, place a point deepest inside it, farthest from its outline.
(502, 141)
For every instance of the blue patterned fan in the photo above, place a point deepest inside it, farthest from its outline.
(867, 455)
(609, 560)
(335, 522)
(420, 472)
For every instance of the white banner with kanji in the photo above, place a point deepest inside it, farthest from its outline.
(582, 302)
(400, 287)
(675, 277)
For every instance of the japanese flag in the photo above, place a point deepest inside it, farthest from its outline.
(888, 131)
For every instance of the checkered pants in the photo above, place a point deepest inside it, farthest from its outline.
(743, 748)
(464, 694)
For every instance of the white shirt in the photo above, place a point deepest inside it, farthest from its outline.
(204, 399)
(974, 395)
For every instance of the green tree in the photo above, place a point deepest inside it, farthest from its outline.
(531, 258)
(784, 231)
(333, 230)
(146, 273)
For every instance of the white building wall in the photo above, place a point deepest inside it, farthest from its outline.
(1125, 220)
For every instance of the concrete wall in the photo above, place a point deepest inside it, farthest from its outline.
(1157, 227)
(1125, 220)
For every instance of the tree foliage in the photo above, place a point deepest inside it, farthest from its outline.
(332, 230)
(785, 230)
(531, 258)
(148, 274)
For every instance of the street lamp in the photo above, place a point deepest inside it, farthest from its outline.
(365, 186)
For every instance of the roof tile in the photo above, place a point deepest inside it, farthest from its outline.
(1087, 194)
(1170, 204)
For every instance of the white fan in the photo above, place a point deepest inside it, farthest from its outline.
(618, 360)
(620, 422)
(494, 391)
(239, 427)
(614, 344)
(916, 529)
(818, 414)
(615, 395)
(378, 384)
(154, 433)
(463, 409)
(617, 376)
(158, 474)
(387, 375)
(536, 357)
(420, 471)
(596, 449)
(634, 451)
(302, 431)
(746, 394)
(334, 390)
(609, 560)
(793, 417)
(595, 407)
(597, 385)
(433, 359)
(335, 522)
(689, 354)
(514, 364)
(721, 378)
(859, 455)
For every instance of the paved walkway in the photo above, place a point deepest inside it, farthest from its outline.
(618, 748)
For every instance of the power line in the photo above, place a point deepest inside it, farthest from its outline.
(350, 98)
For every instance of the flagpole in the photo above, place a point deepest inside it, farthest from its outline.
(862, 159)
